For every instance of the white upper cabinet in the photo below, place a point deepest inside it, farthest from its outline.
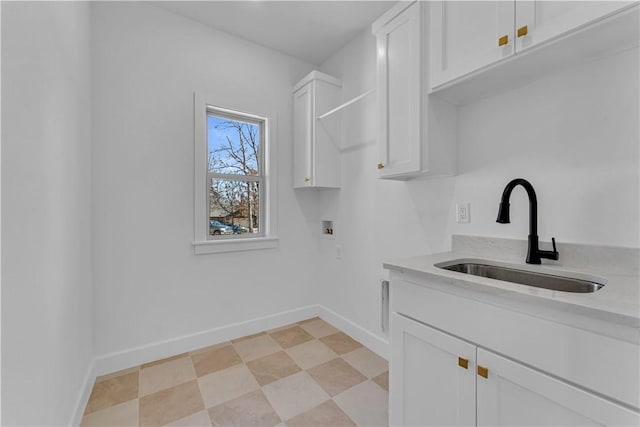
(302, 136)
(399, 52)
(540, 21)
(468, 37)
(409, 145)
(316, 141)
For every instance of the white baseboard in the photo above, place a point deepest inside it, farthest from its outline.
(159, 350)
(373, 342)
(124, 359)
(85, 392)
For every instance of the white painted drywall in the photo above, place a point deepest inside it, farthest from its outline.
(0, 226)
(574, 134)
(375, 219)
(148, 284)
(46, 274)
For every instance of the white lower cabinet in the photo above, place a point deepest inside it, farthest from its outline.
(427, 385)
(513, 394)
(439, 379)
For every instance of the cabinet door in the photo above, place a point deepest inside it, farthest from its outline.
(302, 134)
(468, 35)
(399, 56)
(539, 21)
(513, 394)
(428, 387)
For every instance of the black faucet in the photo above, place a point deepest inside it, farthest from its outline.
(534, 254)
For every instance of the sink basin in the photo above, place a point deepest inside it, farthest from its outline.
(524, 277)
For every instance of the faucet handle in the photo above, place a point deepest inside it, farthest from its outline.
(554, 254)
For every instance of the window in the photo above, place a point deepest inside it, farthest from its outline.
(233, 190)
(235, 174)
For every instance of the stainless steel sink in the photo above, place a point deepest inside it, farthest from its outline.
(524, 277)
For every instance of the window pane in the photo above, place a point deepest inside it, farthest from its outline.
(233, 146)
(234, 207)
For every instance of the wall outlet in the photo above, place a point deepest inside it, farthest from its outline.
(338, 252)
(463, 212)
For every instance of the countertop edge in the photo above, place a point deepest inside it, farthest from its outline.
(493, 288)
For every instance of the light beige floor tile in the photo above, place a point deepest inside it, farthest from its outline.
(294, 395)
(336, 376)
(256, 347)
(291, 336)
(227, 384)
(165, 360)
(113, 391)
(251, 409)
(281, 328)
(366, 404)
(123, 414)
(273, 367)
(318, 328)
(382, 380)
(311, 319)
(118, 373)
(166, 375)
(248, 337)
(171, 396)
(199, 419)
(341, 343)
(215, 359)
(311, 353)
(169, 405)
(323, 415)
(209, 348)
(366, 361)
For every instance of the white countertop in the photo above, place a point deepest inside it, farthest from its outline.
(618, 301)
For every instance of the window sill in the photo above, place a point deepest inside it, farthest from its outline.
(247, 244)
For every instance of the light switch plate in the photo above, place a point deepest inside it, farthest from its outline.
(463, 212)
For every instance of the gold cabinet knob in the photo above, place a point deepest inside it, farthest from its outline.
(503, 40)
(380, 166)
(307, 180)
(483, 372)
(522, 31)
(463, 363)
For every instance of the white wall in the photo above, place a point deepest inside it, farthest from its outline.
(46, 274)
(573, 134)
(148, 284)
(375, 219)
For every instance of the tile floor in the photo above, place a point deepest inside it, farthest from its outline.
(304, 374)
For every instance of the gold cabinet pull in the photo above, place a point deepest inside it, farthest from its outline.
(522, 31)
(307, 180)
(380, 166)
(503, 40)
(483, 372)
(463, 363)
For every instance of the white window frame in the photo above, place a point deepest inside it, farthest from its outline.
(205, 104)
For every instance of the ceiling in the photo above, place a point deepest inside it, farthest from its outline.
(308, 30)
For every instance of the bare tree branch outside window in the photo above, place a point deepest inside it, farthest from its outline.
(234, 150)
